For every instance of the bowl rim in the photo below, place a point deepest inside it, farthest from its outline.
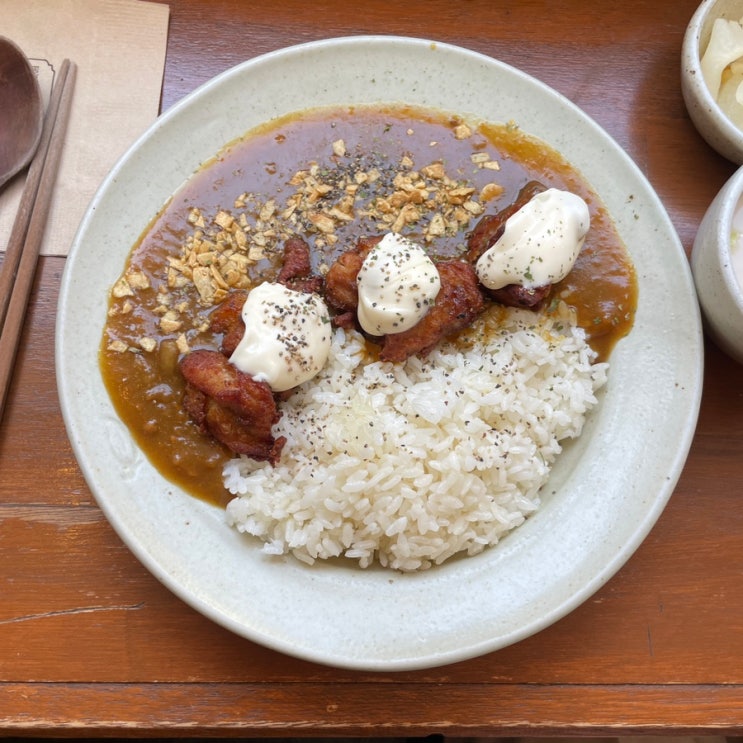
(731, 198)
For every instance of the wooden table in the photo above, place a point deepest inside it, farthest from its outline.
(91, 644)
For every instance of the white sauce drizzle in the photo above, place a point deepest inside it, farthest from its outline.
(540, 243)
(287, 336)
(397, 284)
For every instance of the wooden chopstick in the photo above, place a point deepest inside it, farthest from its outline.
(17, 238)
(19, 265)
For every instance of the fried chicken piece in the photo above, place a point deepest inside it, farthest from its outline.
(227, 319)
(297, 260)
(341, 290)
(491, 226)
(487, 231)
(515, 295)
(296, 271)
(458, 303)
(231, 406)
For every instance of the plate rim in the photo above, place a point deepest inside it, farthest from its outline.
(287, 646)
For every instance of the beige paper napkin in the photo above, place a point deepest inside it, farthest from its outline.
(119, 49)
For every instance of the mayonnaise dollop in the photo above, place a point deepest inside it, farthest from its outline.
(540, 243)
(397, 284)
(287, 336)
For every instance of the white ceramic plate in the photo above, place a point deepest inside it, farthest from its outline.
(611, 485)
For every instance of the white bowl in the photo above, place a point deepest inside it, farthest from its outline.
(709, 119)
(719, 290)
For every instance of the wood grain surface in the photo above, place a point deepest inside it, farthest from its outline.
(92, 645)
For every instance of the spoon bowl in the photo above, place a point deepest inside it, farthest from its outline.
(21, 111)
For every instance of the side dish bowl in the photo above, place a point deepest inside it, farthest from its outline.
(705, 112)
(606, 491)
(719, 288)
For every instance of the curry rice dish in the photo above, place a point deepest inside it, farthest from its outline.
(389, 457)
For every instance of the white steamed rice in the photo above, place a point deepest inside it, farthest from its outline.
(410, 464)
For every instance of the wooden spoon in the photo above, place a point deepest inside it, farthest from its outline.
(21, 111)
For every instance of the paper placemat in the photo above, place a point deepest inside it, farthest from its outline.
(119, 49)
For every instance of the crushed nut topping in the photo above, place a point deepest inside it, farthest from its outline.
(366, 189)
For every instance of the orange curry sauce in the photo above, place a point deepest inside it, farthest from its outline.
(140, 350)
